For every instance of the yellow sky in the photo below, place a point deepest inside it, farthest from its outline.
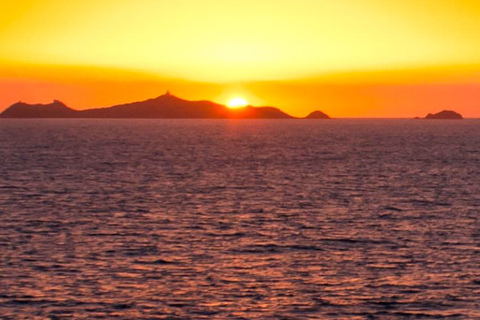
(236, 43)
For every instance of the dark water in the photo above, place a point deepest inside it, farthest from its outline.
(217, 219)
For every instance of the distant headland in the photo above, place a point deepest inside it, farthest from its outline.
(166, 106)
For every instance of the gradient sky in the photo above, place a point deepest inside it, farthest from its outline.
(366, 58)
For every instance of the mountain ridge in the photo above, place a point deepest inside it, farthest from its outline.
(56, 109)
(166, 106)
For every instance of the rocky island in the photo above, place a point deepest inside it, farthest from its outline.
(317, 115)
(445, 115)
(166, 106)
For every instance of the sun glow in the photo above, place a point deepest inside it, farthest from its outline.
(339, 56)
(237, 103)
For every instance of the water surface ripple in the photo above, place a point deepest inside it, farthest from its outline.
(254, 219)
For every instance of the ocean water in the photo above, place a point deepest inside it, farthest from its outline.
(245, 219)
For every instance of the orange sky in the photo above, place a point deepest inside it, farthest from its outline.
(348, 58)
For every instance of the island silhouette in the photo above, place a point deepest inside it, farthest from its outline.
(166, 106)
(317, 115)
(445, 115)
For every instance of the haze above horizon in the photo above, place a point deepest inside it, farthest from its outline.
(347, 58)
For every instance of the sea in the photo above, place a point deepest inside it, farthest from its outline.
(239, 219)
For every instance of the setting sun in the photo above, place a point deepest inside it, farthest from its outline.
(237, 103)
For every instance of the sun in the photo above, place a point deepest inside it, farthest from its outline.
(237, 103)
